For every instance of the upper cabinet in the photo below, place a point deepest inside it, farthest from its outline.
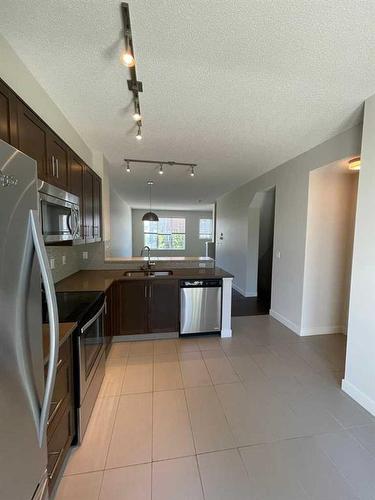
(57, 163)
(8, 115)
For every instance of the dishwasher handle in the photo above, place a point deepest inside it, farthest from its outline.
(201, 283)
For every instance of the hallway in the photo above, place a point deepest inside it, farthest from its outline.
(258, 416)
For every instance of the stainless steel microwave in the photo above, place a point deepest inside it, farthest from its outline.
(59, 213)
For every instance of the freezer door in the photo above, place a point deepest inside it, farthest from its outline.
(200, 310)
(23, 395)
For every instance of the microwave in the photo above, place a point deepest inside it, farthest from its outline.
(59, 214)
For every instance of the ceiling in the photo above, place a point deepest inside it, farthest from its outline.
(237, 86)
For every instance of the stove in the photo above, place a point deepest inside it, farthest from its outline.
(74, 307)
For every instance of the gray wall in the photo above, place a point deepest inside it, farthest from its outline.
(120, 244)
(360, 358)
(194, 246)
(291, 180)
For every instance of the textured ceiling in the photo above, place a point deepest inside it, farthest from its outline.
(237, 86)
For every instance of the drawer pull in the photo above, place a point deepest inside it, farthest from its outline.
(57, 407)
(59, 453)
(59, 363)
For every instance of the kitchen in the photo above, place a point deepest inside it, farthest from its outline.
(133, 175)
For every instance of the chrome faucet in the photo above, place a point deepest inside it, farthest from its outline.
(149, 263)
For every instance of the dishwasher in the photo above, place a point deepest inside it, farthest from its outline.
(200, 306)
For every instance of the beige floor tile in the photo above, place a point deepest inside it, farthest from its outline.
(141, 348)
(167, 372)
(366, 436)
(244, 366)
(194, 370)
(219, 367)
(176, 479)
(119, 350)
(164, 346)
(208, 343)
(224, 476)
(131, 441)
(138, 375)
(80, 486)
(211, 430)
(127, 483)
(113, 379)
(91, 454)
(187, 344)
(172, 435)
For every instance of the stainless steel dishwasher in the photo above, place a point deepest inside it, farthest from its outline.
(200, 306)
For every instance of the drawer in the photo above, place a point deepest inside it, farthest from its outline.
(59, 444)
(62, 390)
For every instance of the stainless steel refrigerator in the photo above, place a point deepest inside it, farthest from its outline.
(25, 393)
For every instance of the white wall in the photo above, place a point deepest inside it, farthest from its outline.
(359, 379)
(121, 227)
(195, 247)
(18, 77)
(291, 181)
(329, 245)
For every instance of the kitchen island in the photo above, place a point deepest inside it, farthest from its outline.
(145, 305)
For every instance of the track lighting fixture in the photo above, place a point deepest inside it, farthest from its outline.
(128, 59)
(139, 134)
(160, 163)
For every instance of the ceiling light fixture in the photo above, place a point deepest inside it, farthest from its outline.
(150, 216)
(355, 163)
(128, 59)
(161, 163)
(139, 134)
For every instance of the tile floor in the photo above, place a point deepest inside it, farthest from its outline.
(260, 416)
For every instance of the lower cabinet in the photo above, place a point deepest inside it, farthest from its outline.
(148, 306)
(61, 421)
(110, 316)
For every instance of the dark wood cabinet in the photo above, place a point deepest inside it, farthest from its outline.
(88, 205)
(148, 306)
(32, 138)
(163, 306)
(97, 205)
(110, 313)
(61, 421)
(8, 115)
(57, 162)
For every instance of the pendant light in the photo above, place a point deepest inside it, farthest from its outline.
(150, 216)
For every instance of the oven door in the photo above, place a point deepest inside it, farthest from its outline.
(91, 347)
(60, 219)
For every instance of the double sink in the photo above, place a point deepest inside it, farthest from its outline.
(149, 274)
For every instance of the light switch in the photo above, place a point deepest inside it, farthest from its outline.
(52, 263)
(63, 260)
(85, 255)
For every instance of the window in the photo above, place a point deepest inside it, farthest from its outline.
(205, 229)
(166, 234)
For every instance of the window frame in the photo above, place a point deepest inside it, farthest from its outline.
(205, 236)
(159, 233)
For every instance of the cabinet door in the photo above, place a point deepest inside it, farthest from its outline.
(97, 206)
(8, 115)
(32, 138)
(57, 162)
(133, 307)
(163, 306)
(88, 205)
(76, 172)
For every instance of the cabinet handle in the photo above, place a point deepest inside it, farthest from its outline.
(57, 167)
(150, 291)
(59, 453)
(53, 165)
(59, 363)
(57, 407)
(146, 286)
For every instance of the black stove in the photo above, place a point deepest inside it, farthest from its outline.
(74, 306)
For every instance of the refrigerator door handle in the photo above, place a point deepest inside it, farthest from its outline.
(53, 324)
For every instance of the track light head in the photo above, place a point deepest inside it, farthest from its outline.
(137, 117)
(139, 134)
(127, 59)
(192, 173)
(128, 166)
(161, 171)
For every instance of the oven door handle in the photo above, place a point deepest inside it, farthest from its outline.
(92, 320)
(76, 222)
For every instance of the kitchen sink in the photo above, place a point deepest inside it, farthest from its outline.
(149, 274)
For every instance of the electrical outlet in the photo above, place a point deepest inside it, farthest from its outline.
(63, 260)
(85, 255)
(52, 263)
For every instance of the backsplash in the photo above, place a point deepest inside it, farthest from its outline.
(72, 260)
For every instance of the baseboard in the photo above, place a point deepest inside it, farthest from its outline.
(145, 336)
(226, 333)
(243, 293)
(286, 322)
(358, 396)
(322, 330)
